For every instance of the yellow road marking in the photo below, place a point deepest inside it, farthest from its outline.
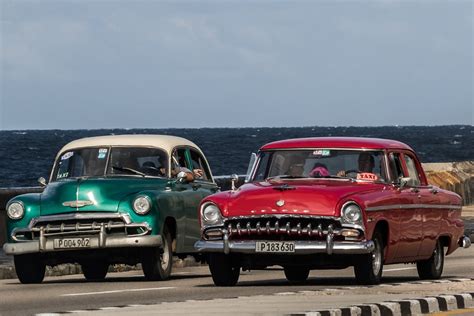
(456, 312)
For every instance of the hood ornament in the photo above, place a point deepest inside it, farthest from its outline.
(280, 203)
(78, 203)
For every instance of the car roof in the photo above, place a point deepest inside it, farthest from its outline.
(165, 142)
(337, 142)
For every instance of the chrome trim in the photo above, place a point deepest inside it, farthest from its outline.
(78, 203)
(280, 216)
(95, 243)
(360, 210)
(71, 216)
(301, 247)
(465, 242)
(412, 206)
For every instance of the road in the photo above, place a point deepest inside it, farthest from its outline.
(257, 291)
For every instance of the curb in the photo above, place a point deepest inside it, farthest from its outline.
(417, 306)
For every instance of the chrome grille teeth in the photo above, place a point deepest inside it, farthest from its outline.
(248, 228)
(298, 228)
(288, 228)
(229, 229)
(277, 227)
(238, 229)
(309, 229)
(267, 227)
(258, 228)
(320, 230)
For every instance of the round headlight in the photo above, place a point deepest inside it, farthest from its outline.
(351, 213)
(16, 210)
(141, 205)
(211, 215)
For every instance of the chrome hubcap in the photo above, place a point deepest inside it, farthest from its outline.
(376, 258)
(165, 256)
(437, 258)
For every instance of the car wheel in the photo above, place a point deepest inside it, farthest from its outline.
(29, 268)
(368, 269)
(95, 270)
(433, 267)
(157, 262)
(296, 275)
(223, 270)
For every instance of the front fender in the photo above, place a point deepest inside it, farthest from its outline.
(32, 204)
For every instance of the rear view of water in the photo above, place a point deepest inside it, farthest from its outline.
(27, 155)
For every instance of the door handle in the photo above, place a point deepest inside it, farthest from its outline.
(415, 190)
(434, 191)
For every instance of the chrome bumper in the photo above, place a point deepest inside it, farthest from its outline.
(465, 242)
(96, 242)
(301, 247)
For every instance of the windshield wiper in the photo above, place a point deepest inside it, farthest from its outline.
(284, 176)
(129, 170)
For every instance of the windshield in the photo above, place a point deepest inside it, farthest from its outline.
(321, 163)
(127, 161)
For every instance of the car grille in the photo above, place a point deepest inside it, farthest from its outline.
(282, 228)
(80, 225)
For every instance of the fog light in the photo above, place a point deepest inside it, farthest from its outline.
(214, 234)
(350, 233)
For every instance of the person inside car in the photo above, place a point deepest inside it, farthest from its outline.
(366, 164)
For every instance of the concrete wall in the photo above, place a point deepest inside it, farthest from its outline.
(454, 176)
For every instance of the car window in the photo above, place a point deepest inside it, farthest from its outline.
(81, 162)
(412, 171)
(178, 162)
(396, 169)
(134, 160)
(198, 162)
(322, 163)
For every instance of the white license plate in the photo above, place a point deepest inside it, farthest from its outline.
(68, 243)
(275, 246)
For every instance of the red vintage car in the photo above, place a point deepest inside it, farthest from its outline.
(331, 203)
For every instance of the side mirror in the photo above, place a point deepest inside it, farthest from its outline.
(234, 178)
(42, 181)
(182, 177)
(253, 160)
(404, 182)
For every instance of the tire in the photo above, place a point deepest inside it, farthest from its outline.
(157, 262)
(296, 275)
(368, 269)
(29, 268)
(433, 267)
(223, 270)
(95, 270)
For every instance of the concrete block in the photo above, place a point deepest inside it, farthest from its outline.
(410, 307)
(447, 302)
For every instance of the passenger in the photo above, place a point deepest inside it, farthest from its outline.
(319, 171)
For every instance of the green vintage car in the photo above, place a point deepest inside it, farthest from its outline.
(112, 199)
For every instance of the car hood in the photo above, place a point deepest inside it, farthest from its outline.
(93, 194)
(317, 197)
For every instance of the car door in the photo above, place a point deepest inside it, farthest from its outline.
(409, 217)
(201, 187)
(430, 215)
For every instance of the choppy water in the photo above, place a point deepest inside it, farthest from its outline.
(27, 155)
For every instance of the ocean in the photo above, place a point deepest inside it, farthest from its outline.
(27, 155)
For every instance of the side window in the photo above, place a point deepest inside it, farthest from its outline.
(198, 162)
(396, 169)
(178, 162)
(411, 167)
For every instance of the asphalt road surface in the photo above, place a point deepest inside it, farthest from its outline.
(191, 290)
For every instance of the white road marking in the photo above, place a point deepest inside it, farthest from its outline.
(119, 291)
(399, 269)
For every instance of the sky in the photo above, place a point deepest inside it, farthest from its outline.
(173, 64)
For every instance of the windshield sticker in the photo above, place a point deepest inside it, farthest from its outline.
(67, 155)
(62, 175)
(102, 153)
(322, 152)
(367, 176)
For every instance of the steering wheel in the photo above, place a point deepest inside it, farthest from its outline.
(153, 170)
(351, 171)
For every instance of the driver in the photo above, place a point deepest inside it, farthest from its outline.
(366, 164)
